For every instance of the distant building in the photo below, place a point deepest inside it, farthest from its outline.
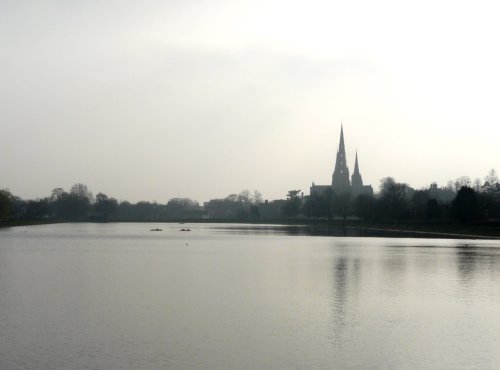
(445, 194)
(340, 179)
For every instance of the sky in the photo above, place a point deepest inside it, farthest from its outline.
(153, 100)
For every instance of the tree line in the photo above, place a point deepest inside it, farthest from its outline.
(462, 200)
(79, 204)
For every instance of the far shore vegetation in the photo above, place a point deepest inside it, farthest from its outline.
(462, 207)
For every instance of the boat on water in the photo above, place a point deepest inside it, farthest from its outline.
(157, 229)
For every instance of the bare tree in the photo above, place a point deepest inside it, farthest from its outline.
(244, 197)
(56, 194)
(82, 192)
(232, 198)
(491, 182)
(477, 185)
(461, 182)
(257, 197)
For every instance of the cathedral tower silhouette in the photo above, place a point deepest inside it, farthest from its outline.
(340, 179)
(356, 179)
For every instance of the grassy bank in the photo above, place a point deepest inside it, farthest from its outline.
(5, 224)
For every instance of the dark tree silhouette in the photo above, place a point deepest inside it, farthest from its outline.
(418, 204)
(465, 206)
(254, 212)
(364, 207)
(5, 204)
(105, 206)
(291, 208)
(37, 209)
(461, 182)
(72, 206)
(315, 206)
(393, 202)
(433, 210)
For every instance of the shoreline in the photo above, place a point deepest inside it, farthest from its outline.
(335, 228)
(435, 234)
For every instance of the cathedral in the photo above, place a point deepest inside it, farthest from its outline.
(340, 179)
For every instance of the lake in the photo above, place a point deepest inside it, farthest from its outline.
(119, 296)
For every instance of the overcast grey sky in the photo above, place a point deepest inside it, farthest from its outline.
(158, 99)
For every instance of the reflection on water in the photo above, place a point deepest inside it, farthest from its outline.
(79, 296)
(333, 230)
(466, 261)
(340, 291)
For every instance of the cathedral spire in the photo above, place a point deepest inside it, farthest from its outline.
(341, 182)
(356, 167)
(356, 180)
(340, 177)
(341, 144)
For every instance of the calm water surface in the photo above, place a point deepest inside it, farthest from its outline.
(118, 296)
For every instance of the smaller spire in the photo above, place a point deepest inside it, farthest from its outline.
(357, 180)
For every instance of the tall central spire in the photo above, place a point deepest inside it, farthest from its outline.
(341, 144)
(340, 177)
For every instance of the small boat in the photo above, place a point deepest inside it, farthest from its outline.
(156, 229)
(185, 230)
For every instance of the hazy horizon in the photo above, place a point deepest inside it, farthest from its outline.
(201, 99)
